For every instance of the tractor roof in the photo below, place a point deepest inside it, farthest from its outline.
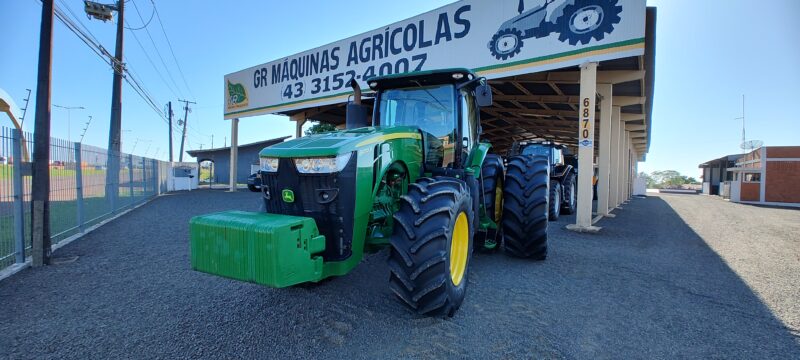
(424, 78)
(547, 143)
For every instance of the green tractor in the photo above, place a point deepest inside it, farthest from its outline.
(415, 179)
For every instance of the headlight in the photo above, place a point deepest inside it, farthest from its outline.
(269, 164)
(322, 165)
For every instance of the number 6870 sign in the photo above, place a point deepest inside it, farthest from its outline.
(585, 119)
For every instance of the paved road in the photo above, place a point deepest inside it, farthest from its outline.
(671, 276)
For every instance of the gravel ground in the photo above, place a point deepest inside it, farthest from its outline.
(670, 276)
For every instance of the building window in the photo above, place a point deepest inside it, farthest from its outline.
(752, 177)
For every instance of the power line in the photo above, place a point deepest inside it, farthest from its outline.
(169, 44)
(149, 59)
(169, 74)
(145, 24)
(88, 38)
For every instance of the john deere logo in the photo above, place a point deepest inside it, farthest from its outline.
(287, 195)
(237, 96)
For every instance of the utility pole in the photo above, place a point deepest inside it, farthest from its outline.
(185, 119)
(169, 113)
(104, 12)
(25, 110)
(40, 218)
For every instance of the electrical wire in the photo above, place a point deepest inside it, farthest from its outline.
(88, 38)
(150, 60)
(169, 74)
(169, 44)
(152, 13)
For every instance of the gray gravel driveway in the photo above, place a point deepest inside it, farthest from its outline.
(670, 276)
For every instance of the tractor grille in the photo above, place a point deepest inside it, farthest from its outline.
(333, 214)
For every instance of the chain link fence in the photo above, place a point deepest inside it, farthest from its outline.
(82, 194)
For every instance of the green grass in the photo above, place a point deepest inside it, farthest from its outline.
(7, 171)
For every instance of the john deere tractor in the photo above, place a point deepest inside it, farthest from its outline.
(415, 179)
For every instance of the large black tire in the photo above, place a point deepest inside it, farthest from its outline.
(525, 207)
(570, 196)
(584, 20)
(554, 201)
(492, 180)
(428, 272)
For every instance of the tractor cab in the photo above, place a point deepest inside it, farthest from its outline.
(443, 105)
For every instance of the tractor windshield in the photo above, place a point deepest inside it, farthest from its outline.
(431, 109)
(536, 150)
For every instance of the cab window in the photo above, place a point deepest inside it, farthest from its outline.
(469, 124)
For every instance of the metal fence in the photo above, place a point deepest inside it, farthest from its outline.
(81, 192)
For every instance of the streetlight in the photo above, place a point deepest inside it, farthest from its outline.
(69, 117)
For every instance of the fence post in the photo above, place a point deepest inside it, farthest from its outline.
(19, 209)
(130, 176)
(79, 186)
(144, 176)
(156, 177)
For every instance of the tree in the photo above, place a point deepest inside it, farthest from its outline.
(651, 183)
(669, 178)
(320, 128)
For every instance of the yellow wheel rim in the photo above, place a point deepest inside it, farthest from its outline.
(498, 203)
(459, 249)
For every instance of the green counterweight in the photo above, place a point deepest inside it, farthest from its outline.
(268, 249)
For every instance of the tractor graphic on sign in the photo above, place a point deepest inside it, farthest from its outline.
(574, 20)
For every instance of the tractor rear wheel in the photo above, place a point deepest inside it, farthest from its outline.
(431, 246)
(492, 180)
(569, 195)
(525, 207)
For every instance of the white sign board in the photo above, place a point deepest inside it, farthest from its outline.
(494, 38)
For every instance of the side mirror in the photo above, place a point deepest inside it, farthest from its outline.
(483, 94)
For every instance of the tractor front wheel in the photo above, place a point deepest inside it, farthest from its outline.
(525, 207)
(431, 246)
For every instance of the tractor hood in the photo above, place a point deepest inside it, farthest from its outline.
(340, 142)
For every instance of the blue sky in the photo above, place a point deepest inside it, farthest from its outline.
(708, 55)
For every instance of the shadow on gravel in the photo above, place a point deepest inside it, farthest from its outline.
(646, 287)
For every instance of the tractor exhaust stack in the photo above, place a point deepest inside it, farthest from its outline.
(356, 111)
